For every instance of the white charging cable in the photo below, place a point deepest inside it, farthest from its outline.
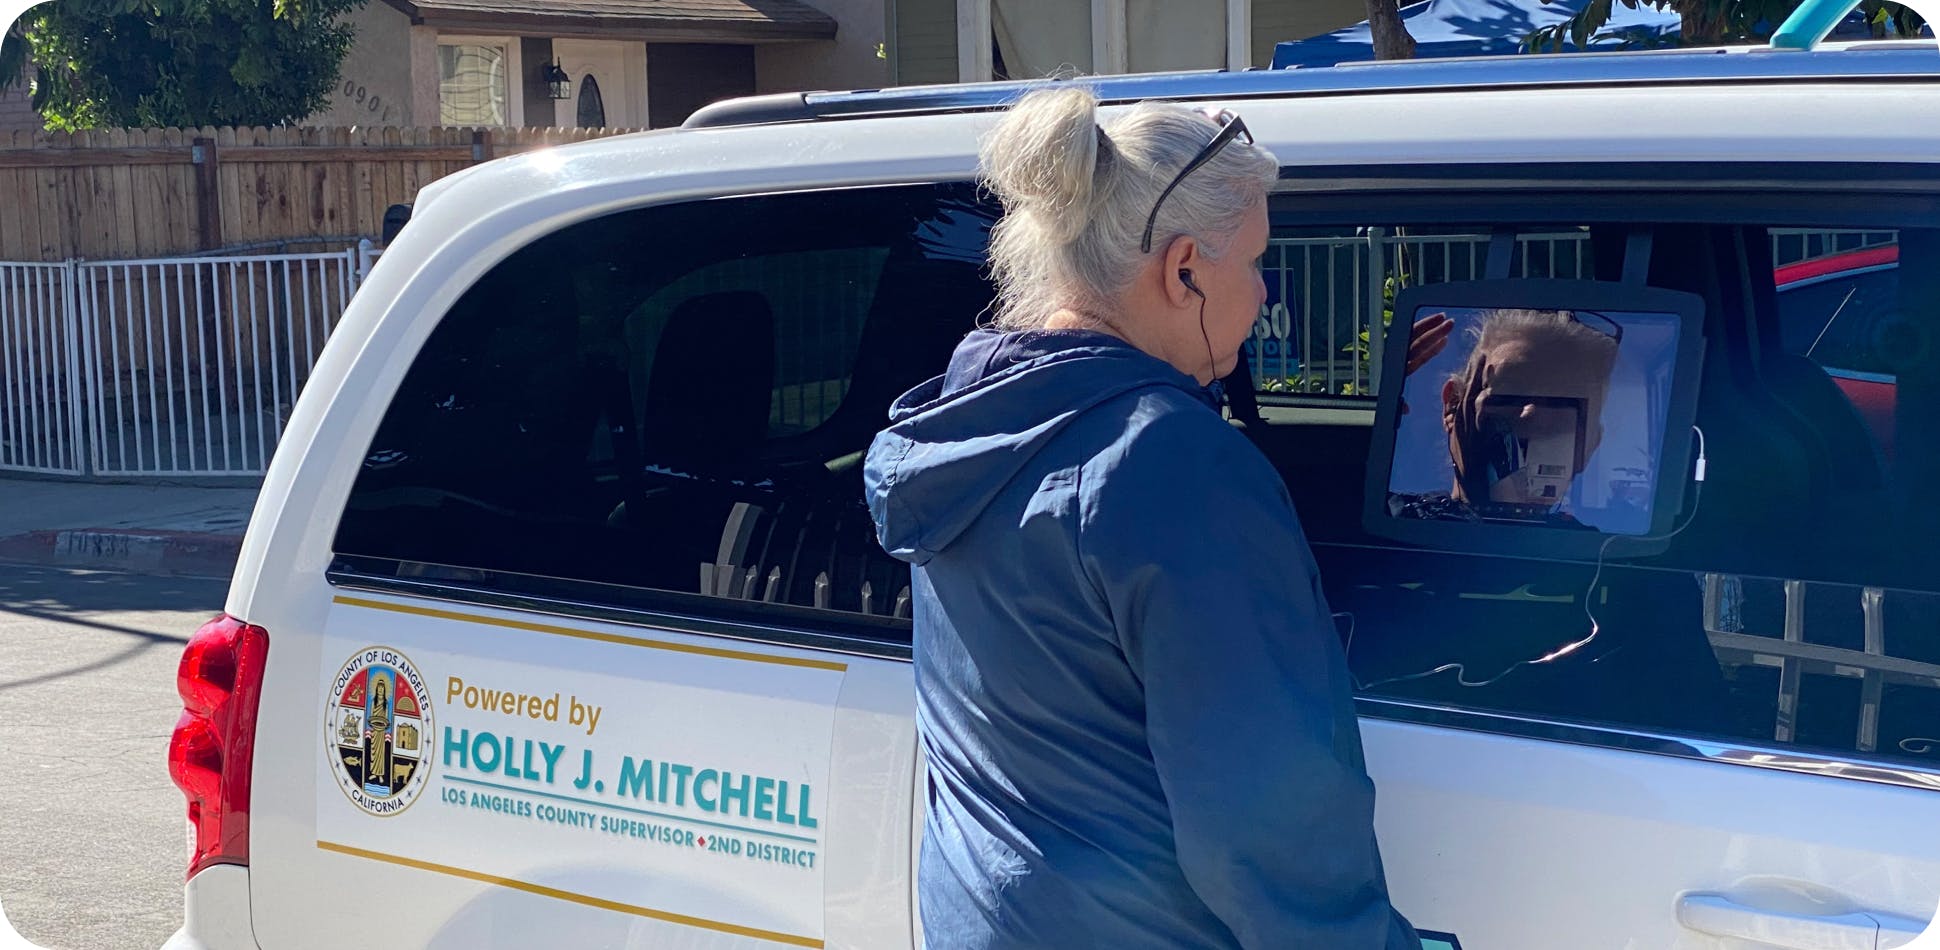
(1461, 670)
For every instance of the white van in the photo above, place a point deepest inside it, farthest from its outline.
(561, 621)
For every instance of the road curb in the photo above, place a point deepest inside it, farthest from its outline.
(144, 552)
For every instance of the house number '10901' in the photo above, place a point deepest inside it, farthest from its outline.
(361, 96)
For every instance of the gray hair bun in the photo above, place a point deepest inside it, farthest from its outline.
(1042, 159)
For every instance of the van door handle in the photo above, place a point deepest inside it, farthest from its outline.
(1720, 916)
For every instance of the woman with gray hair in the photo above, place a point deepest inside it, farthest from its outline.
(1135, 713)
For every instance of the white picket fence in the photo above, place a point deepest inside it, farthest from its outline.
(176, 367)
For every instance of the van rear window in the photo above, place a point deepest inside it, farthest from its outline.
(676, 399)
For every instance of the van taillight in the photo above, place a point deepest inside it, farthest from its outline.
(209, 755)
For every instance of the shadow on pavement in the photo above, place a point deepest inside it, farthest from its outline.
(78, 598)
(55, 592)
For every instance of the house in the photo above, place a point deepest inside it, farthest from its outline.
(638, 63)
(940, 41)
(625, 63)
(650, 63)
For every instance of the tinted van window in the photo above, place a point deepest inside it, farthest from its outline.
(1831, 309)
(676, 399)
(1839, 306)
(1794, 608)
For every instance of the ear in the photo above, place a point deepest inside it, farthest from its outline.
(1451, 398)
(1182, 254)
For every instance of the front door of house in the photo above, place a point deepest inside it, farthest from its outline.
(609, 84)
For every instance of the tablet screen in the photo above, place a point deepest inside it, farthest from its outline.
(1551, 418)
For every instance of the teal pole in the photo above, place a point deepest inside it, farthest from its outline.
(1810, 23)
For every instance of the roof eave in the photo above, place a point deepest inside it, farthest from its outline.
(648, 29)
(405, 7)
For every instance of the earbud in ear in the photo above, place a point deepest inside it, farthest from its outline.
(1185, 277)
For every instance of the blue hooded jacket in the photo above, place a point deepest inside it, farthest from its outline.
(1133, 703)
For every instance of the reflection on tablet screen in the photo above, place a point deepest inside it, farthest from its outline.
(1543, 417)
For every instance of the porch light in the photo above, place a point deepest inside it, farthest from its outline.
(558, 84)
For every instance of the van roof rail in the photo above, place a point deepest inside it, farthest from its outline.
(1748, 64)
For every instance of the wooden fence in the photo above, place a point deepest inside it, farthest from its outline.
(143, 193)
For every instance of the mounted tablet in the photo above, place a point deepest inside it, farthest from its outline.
(1535, 417)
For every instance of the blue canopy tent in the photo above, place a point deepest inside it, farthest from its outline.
(1473, 28)
(1498, 28)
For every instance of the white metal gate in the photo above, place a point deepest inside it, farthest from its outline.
(175, 367)
(193, 364)
(41, 387)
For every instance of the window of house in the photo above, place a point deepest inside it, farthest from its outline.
(1793, 609)
(474, 84)
(672, 405)
(590, 112)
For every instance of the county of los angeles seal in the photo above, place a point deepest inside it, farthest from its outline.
(378, 731)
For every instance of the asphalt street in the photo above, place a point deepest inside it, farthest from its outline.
(92, 839)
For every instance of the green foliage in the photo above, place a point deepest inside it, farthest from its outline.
(1298, 384)
(1706, 23)
(152, 63)
(1310, 383)
(1892, 19)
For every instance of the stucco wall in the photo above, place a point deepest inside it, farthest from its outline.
(925, 44)
(847, 62)
(1164, 35)
(374, 83)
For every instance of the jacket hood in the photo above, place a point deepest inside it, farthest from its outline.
(956, 441)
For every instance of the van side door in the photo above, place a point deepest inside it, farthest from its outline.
(1731, 744)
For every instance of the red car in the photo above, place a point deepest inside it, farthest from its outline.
(1832, 310)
